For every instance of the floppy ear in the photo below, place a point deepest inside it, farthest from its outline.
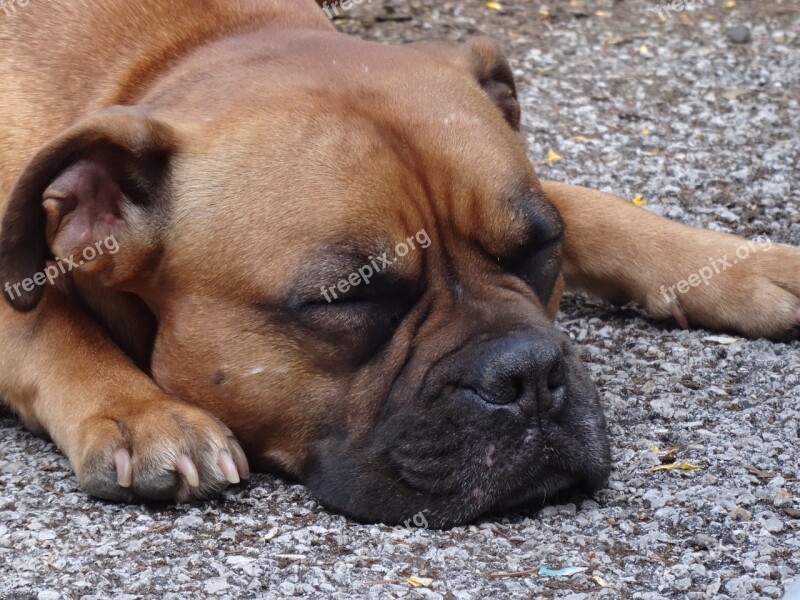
(96, 182)
(485, 60)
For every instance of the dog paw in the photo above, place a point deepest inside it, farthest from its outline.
(748, 287)
(163, 450)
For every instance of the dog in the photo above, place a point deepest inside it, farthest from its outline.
(234, 238)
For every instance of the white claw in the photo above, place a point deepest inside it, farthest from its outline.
(185, 466)
(228, 467)
(122, 461)
(241, 461)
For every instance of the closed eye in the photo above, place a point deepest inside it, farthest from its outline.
(355, 328)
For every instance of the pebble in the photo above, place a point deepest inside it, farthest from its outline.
(773, 525)
(739, 34)
(740, 514)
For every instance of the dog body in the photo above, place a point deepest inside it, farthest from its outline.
(324, 256)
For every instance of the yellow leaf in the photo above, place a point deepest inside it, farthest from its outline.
(658, 450)
(420, 581)
(601, 13)
(730, 4)
(544, 11)
(682, 466)
(600, 581)
(645, 131)
(580, 139)
(639, 200)
(494, 5)
(643, 49)
(553, 157)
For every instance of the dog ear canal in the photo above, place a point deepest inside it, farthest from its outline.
(79, 192)
(486, 61)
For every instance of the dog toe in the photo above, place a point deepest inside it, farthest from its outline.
(165, 452)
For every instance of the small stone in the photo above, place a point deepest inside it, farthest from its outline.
(11, 468)
(683, 584)
(656, 498)
(181, 536)
(287, 588)
(547, 512)
(238, 561)
(48, 595)
(590, 505)
(738, 586)
(782, 499)
(216, 585)
(568, 510)
(188, 522)
(773, 525)
(740, 514)
(702, 540)
(739, 34)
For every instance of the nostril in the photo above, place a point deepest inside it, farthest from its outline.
(517, 388)
(558, 376)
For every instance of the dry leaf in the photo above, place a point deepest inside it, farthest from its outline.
(643, 49)
(658, 450)
(645, 131)
(721, 339)
(681, 466)
(494, 5)
(420, 581)
(639, 200)
(553, 157)
(730, 4)
(600, 581)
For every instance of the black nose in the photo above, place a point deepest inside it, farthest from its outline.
(525, 369)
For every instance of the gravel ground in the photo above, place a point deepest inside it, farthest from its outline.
(706, 129)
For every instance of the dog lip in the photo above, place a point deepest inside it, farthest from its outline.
(534, 459)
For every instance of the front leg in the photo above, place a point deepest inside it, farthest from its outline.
(704, 278)
(125, 438)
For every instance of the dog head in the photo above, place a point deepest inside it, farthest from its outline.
(351, 262)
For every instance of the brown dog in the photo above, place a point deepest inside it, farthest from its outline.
(333, 251)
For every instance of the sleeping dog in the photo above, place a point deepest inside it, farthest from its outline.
(234, 238)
